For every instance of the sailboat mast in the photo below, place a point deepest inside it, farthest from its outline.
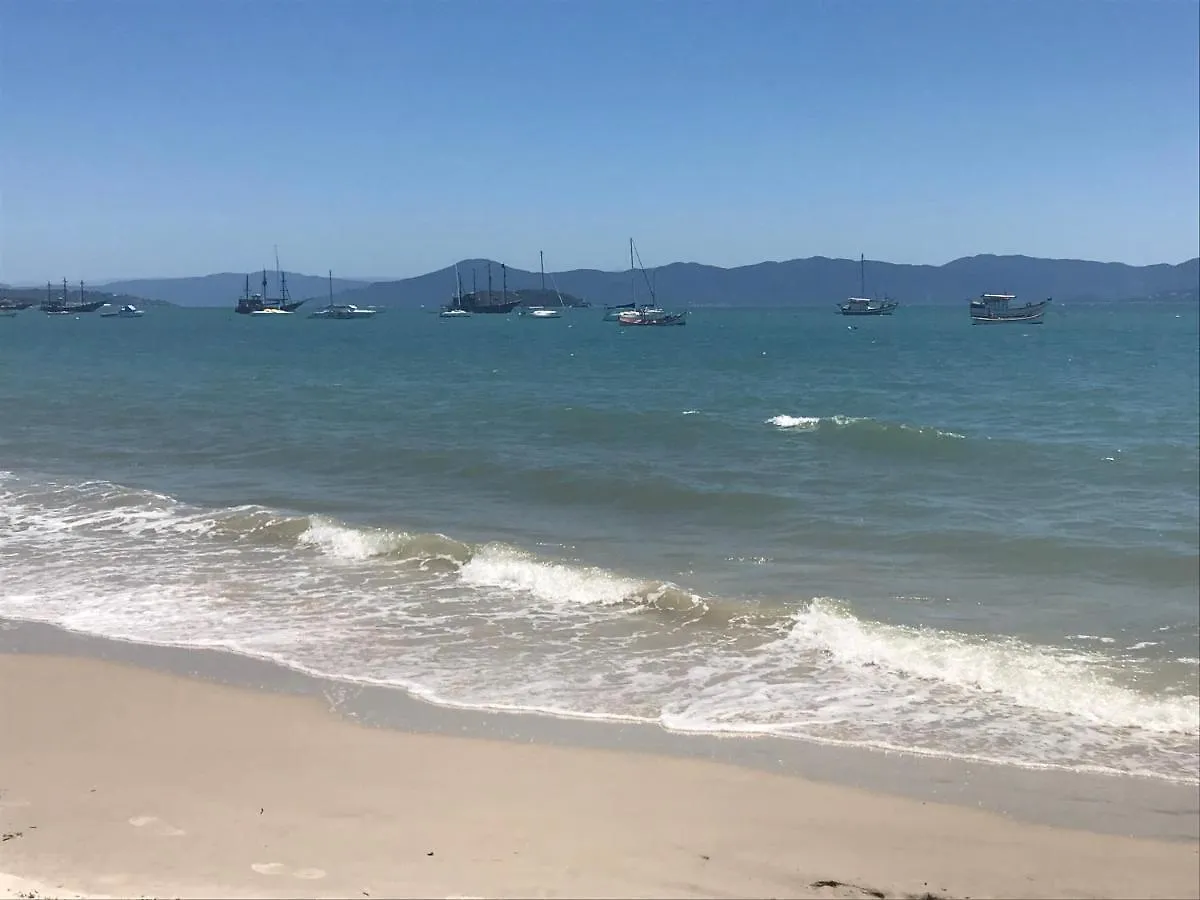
(862, 275)
(503, 283)
(632, 274)
(489, 299)
(331, 287)
(542, 266)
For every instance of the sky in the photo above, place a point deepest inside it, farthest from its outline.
(388, 138)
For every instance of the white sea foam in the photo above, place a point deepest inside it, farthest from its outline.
(813, 423)
(501, 628)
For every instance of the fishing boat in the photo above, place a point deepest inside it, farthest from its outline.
(341, 310)
(128, 311)
(646, 314)
(996, 309)
(864, 306)
(63, 305)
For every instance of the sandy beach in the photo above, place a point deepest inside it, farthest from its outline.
(121, 781)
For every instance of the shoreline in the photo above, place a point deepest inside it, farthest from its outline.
(124, 781)
(1132, 806)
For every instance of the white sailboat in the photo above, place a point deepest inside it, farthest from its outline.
(342, 310)
(543, 312)
(648, 314)
(455, 308)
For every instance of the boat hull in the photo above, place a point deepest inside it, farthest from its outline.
(661, 321)
(1032, 319)
(882, 311)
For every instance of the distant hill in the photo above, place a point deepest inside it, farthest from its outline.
(805, 282)
(224, 289)
(814, 281)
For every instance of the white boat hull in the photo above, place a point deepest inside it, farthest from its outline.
(1034, 318)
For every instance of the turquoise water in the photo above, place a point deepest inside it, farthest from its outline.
(913, 533)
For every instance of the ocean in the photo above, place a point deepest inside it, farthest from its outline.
(913, 534)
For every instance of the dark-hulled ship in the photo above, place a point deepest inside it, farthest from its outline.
(63, 305)
(252, 303)
(479, 302)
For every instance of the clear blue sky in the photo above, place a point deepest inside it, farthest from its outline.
(389, 137)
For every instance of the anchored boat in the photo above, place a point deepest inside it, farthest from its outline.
(863, 306)
(995, 309)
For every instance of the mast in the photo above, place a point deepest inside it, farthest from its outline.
(81, 292)
(542, 266)
(862, 275)
(489, 300)
(331, 288)
(474, 284)
(503, 283)
(282, 279)
(632, 275)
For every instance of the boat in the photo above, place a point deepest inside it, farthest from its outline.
(341, 310)
(996, 309)
(128, 311)
(646, 314)
(271, 311)
(12, 307)
(455, 309)
(544, 312)
(63, 305)
(251, 303)
(612, 313)
(474, 302)
(863, 306)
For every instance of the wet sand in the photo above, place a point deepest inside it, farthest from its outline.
(122, 781)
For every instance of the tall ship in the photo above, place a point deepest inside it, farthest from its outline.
(997, 309)
(249, 304)
(63, 305)
(477, 302)
(864, 306)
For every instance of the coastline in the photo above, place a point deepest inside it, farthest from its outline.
(130, 778)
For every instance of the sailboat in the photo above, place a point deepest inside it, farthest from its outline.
(341, 310)
(455, 309)
(649, 313)
(861, 306)
(64, 307)
(543, 312)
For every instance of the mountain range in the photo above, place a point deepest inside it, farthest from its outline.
(799, 282)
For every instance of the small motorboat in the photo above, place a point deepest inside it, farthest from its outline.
(540, 312)
(128, 311)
